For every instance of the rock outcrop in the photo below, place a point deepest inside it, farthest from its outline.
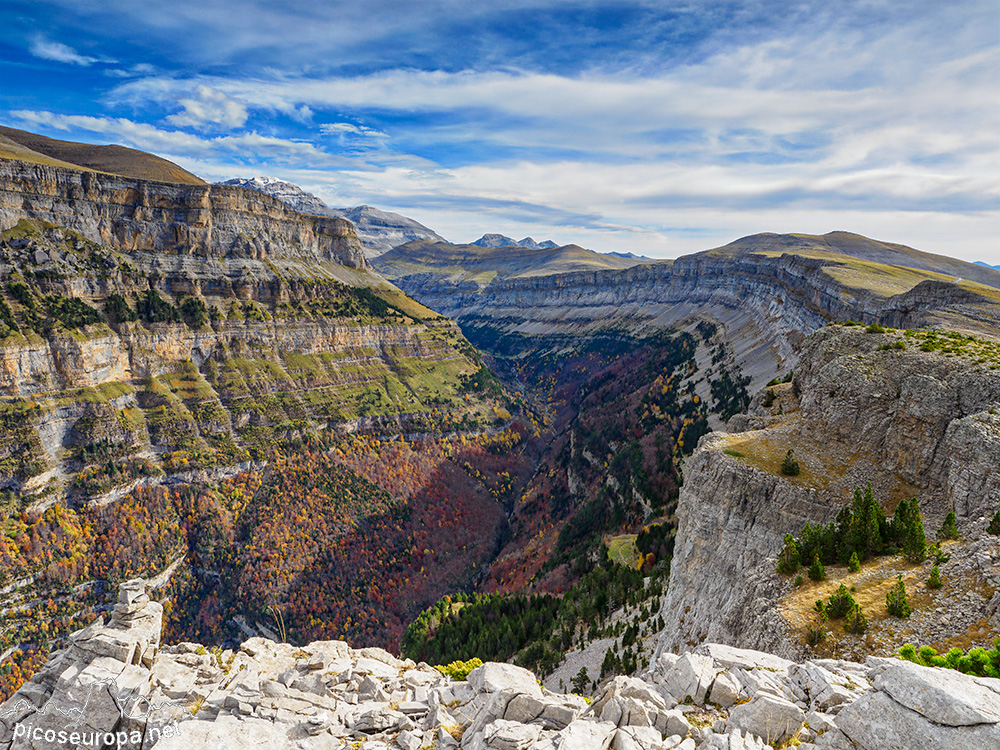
(206, 221)
(911, 416)
(115, 682)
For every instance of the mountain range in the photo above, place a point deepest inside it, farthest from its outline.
(226, 421)
(500, 240)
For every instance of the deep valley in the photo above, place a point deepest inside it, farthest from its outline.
(581, 464)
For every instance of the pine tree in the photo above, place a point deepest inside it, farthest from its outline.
(580, 681)
(895, 600)
(840, 604)
(789, 561)
(994, 527)
(856, 622)
(854, 565)
(901, 521)
(790, 466)
(915, 541)
(872, 525)
(934, 582)
(816, 571)
(948, 529)
(856, 536)
(843, 535)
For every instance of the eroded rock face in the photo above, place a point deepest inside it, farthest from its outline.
(115, 679)
(911, 422)
(211, 221)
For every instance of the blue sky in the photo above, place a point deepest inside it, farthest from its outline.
(652, 126)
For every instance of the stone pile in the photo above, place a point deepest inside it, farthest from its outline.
(117, 684)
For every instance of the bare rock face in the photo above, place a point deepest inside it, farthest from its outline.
(210, 221)
(100, 684)
(911, 422)
(328, 695)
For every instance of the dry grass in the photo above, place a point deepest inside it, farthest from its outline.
(622, 550)
(870, 585)
(818, 468)
(117, 160)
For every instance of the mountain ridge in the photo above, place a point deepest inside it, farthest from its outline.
(119, 160)
(500, 240)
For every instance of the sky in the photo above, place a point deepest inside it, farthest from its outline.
(650, 126)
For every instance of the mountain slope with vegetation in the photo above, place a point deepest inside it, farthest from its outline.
(472, 267)
(207, 388)
(180, 367)
(118, 160)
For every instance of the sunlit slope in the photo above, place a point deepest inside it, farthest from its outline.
(483, 265)
(127, 162)
(864, 249)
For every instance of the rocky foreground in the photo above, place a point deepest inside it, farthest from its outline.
(116, 686)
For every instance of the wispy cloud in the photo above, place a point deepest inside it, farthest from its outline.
(47, 49)
(347, 128)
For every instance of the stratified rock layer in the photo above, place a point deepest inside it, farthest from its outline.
(912, 422)
(210, 221)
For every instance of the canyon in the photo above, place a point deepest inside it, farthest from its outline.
(264, 433)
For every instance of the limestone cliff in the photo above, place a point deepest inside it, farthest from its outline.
(210, 319)
(207, 221)
(767, 299)
(914, 413)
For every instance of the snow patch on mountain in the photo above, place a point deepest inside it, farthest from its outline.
(378, 230)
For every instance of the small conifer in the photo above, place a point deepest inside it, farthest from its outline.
(948, 529)
(790, 467)
(841, 603)
(994, 527)
(790, 561)
(854, 565)
(816, 570)
(856, 622)
(934, 582)
(914, 540)
(895, 600)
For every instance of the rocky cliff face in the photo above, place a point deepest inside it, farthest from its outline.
(914, 414)
(116, 680)
(790, 285)
(286, 328)
(766, 302)
(206, 221)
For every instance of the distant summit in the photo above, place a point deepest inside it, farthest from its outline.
(378, 230)
(502, 240)
(980, 263)
(630, 256)
(863, 249)
(293, 195)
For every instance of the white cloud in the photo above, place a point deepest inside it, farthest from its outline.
(139, 69)
(59, 52)
(346, 128)
(209, 107)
